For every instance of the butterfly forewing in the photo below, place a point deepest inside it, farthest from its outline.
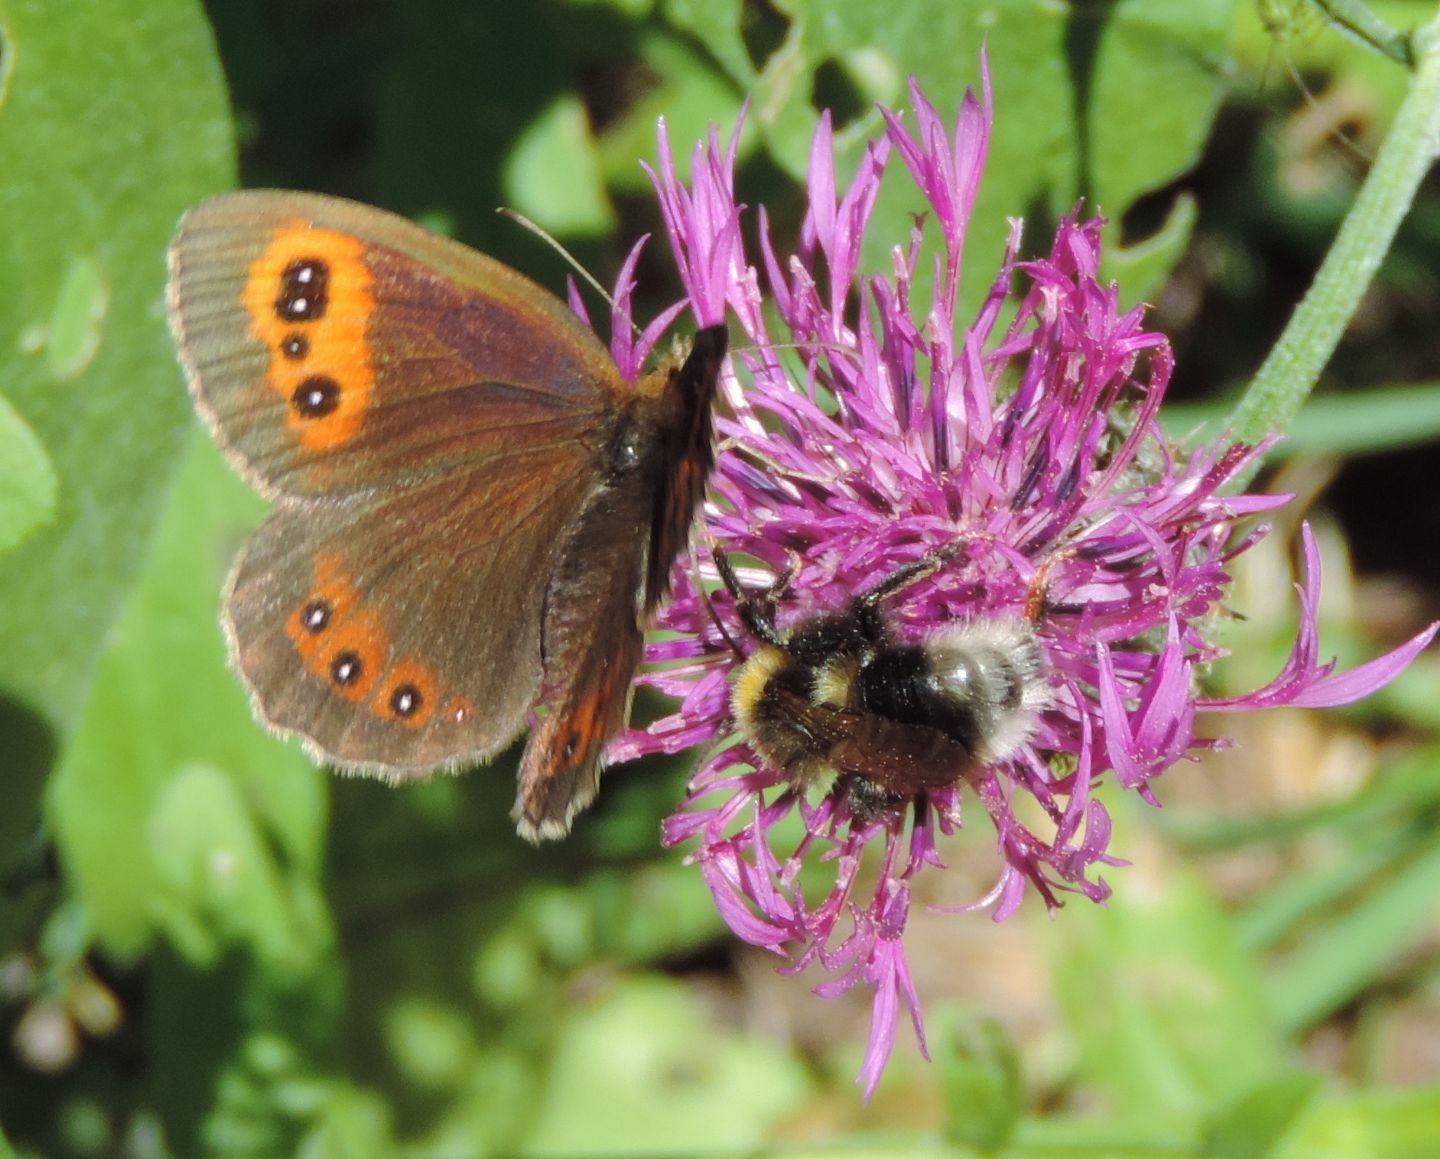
(686, 457)
(614, 568)
(366, 351)
(590, 647)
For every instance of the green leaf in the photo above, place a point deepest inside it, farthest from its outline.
(239, 1056)
(1105, 102)
(717, 25)
(352, 1124)
(978, 1065)
(452, 93)
(165, 702)
(1148, 262)
(1378, 1125)
(689, 94)
(1358, 939)
(216, 884)
(1259, 1122)
(1150, 88)
(1294, 23)
(645, 1068)
(1291, 903)
(27, 480)
(113, 120)
(553, 173)
(1164, 1001)
(1381, 419)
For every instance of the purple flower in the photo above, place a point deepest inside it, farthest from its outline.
(1021, 445)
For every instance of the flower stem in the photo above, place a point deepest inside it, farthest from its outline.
(1355, 17)
(1293, 365)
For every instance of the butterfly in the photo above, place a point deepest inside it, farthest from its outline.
(474, 512)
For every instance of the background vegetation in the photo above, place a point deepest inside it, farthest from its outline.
(209, 947)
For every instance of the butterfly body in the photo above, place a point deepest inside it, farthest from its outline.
(474, 510)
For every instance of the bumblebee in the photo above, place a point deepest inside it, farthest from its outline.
(843, 695)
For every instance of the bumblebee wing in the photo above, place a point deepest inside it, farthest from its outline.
(903, 759)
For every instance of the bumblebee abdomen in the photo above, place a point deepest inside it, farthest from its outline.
(985, 685)
(768, 687)
(898, 683)
(979, 683)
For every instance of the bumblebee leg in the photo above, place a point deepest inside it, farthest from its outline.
(756, 609)
(912, 573)
(787, 577)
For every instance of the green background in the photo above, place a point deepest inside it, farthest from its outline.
(209, 947)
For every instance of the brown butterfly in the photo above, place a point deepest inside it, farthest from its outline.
(474, 511)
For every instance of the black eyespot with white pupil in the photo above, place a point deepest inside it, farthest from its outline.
(295, 347)
(315, 616)
(346, 668)
(406, 700)
(304, 291)
(316, 397)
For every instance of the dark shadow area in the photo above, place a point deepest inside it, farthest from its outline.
(1390, 524)
(763, 29)
(1084, 29)
(832, 88)
(412, 106)
(28, 751)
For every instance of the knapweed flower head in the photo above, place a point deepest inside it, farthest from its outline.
(1018, 451)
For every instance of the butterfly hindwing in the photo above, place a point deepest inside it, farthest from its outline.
(403, 634)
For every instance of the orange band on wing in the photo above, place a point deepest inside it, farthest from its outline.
(356, 652)
(341, 642)
(329, 603)
(347, 644)
(408, 694)
(590, 719)
(309, 297)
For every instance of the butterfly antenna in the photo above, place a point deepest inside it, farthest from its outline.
(539, 231)
(735, 446)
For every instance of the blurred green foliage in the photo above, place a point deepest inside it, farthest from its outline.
(210, 948)
(110, 123)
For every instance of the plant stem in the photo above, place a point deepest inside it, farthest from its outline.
(1290, 370)
(1355, 17)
